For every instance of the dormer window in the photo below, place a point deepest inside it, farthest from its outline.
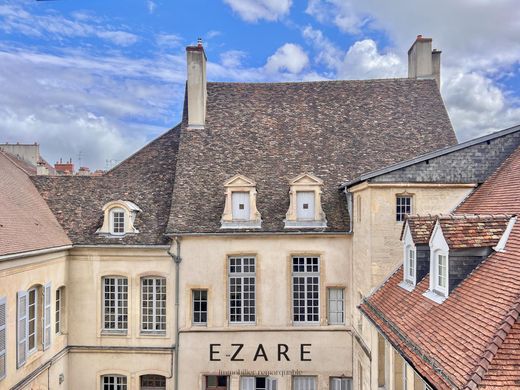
(440, 277)
(410, 265)
(305, 203)
(240, 204)
(439, 265)
(117, 221)
(119, 218)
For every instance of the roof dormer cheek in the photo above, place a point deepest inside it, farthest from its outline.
(240, 210)
(119, 218)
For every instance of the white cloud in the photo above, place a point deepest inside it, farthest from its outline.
(152, 6)
(168, 40)
(254, 10)
(479, 40)
(232, 58)
(289, 57)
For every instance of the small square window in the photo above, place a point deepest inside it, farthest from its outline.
(305, 206)
(241, 206)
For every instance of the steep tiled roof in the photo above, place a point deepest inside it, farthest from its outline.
(467, 341)
(473, 231)
(26, 223)
(145, 178)
(272, 132)
(421, 227)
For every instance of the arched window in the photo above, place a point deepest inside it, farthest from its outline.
(152, 382)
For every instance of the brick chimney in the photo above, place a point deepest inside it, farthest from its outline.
(423, 62)
(197, 94)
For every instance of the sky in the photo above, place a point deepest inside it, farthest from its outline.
(95, 80)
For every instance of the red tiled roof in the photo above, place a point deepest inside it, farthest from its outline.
(26, 222)
(421, 227)
(473, 231)
(472, 339)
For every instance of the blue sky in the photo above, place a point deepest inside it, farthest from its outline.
(102, 78)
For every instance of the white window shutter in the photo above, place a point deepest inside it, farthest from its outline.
(335, 384)
(21, 329)
(3, 337)
(272, 384)
(47, 316)
(240, 203)
(305, 205)
(247, 383)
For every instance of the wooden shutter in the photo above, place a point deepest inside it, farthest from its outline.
(272, 384)
(305, 205)
(21, 329)
(46, 316)
(247, 383)
(3, 336)
(240, 203)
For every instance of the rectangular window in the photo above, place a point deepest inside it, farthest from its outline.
(200, 307)
(340, 383)
(258, 383)
(31, 320)
(411, 265)
(336, 306)
(305, 206)
(442, 274)
(403, 207)
(153, 305)
(58, 310)
(21, 329)
(3, 337)
(118, 221)
(240, 203)
(214, 382)
(304, 383)
(113, 382)
(47, 323)
(242, 290)
(115, 303)
(306, 289)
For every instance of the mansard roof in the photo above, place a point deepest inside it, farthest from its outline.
(272, 132)
(465, 342)
(26, 222)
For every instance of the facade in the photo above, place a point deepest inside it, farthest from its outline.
(226, 254)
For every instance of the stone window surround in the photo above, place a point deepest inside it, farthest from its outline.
(129, 208)
(305, 182)
(240, 183)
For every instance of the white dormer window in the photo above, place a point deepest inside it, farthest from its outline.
(410, 264)
(439, 266)
(119, 218)
(305, 203)
(240, 204)
(117, 221)
(409, 260)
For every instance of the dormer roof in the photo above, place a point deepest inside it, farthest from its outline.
(421, 227)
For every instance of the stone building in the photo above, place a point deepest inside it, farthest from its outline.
(227, 253)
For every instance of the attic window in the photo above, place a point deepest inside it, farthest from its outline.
(440, 277)
(305, 203)
(240, 204)
(410, 265)
(403, 207)
(119, 218)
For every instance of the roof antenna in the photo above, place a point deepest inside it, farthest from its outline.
(199, 42)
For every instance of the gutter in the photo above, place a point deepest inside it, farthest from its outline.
(34, 253)
(177, 260)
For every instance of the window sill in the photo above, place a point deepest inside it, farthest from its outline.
(434, 296)
(407, 285)
(152, 334)
(105, 332)
(305, 224)
(241, 224)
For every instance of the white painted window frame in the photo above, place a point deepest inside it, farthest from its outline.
(249, 383)
(47, 323)
(32, 350)
(339, 302)
(115, 385)
(158, 318)
(307, 274)
(340, 383)
(307, 382)
(3, 338)
(112, 222)
(410, 253)
(59, 301)
(436, 263)
(244, 279)
(199, 300)
(119, 329)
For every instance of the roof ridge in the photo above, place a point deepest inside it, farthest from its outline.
(493, 346)
(267, 83)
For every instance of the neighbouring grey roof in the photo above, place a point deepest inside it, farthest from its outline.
(480, 156)
(272, 132)
(145, 178)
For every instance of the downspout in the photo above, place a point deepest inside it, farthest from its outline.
(177, 260)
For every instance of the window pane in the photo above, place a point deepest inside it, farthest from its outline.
(200, 306)
(153, 304)
(306, 289)
(242, 289)
(115, 303)
(336, 304)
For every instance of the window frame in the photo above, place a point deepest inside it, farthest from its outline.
(400, 210)
(305, 274)
(245, 281)
(58, 310)
(436, 274)
(312, 196)
(112, 224)
(295, 377)
(158, 318)
(407, 277)
(270, 382)
(116, 386)
(35, 335)
(117, 306)
(341, 379)
(195, 300)
(337, 300)
(247, 205)
(206, 379)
